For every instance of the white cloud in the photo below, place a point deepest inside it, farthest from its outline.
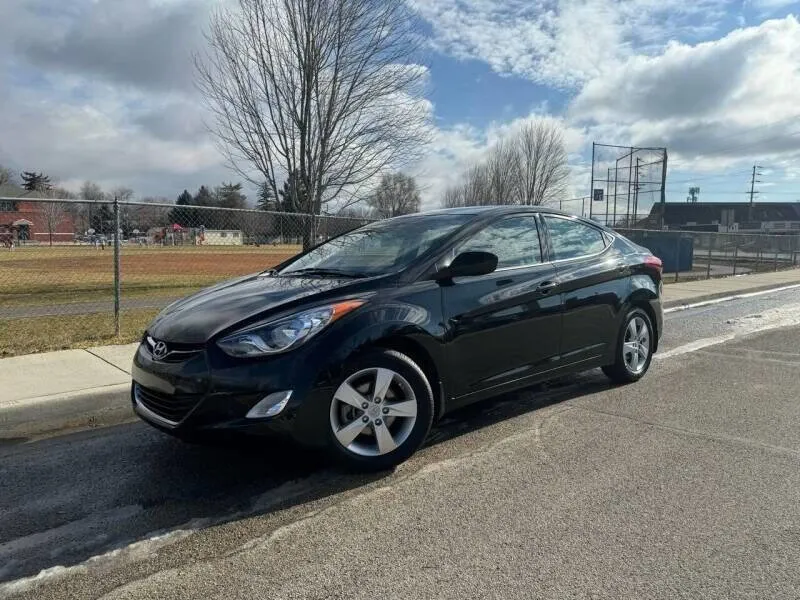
(560, 42)
(106, 94)
(718, 101)
(101, 140)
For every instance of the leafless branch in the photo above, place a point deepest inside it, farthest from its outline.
(529, 167)
(327, 89)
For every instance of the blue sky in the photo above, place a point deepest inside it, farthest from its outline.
(107, 95)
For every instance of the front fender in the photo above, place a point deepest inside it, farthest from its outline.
(356, 334)
(369, 328)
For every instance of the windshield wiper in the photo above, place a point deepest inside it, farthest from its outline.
(326, 273)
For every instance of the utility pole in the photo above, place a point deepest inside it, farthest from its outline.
(591, 187)
(628, 207)
(636, 190)
(616, 176)
(753, 191)
(663, 190)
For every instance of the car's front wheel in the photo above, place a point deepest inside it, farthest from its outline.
(381, 411)
(634, 349)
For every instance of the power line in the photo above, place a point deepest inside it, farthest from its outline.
(747, 193)
(706, 177)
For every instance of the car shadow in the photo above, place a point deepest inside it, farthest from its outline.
(130, 483)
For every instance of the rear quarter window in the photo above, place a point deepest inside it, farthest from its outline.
(572, 239)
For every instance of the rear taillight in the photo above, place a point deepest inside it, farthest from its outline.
(654, 262)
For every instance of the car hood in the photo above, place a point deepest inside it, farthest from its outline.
(198, 318)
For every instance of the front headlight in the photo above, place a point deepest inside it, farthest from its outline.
(287, 333)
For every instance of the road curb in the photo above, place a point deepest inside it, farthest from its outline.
(110, 405)
(83, 409)
(676, 305)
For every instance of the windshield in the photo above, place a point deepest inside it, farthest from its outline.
(378, 248)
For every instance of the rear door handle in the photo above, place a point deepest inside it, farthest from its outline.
(547, 286)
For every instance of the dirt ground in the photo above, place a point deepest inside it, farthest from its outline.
(81, 273)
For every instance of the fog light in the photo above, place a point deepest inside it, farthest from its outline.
(270, 406)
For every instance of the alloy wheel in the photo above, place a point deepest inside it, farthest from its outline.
(373, 411)
(636, 347)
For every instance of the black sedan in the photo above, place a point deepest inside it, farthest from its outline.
(363, 342)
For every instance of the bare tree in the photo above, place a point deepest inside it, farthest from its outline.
(541, 162)
(453, 197)
(356, 211)
(91, 191)
(477, 186)
(397, 194)
(122, 193)
(327, 89)
(6, 175)
(503, 174)
(528, 167)
(54, 214)
(90, 214)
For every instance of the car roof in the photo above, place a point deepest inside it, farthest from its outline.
(493, 210)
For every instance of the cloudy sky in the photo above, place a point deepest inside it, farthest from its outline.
(102, 89)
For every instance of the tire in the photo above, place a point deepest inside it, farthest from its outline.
(630, 366)
(360, 419)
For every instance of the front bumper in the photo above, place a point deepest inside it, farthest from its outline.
(209, 393)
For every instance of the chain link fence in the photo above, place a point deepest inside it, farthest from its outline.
(692, 255)
(65, 283)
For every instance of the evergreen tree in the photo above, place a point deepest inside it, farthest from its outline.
(229, 195)
(185, 217)
(203, 197)
(266, 198)
(293, 195)
(35, 182)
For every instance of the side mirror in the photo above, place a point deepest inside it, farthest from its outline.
(469, 264)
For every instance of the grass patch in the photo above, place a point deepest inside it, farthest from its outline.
(65, 274)
(51, 297)
(44, 334)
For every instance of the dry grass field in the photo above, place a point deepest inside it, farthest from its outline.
(62, 275)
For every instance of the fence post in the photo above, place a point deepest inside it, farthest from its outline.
(708, 267)
(735, 252)
(776, 256)
(677, 256)
(116, 267)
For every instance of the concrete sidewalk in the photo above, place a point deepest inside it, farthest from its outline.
(691, 292)
(69, 389)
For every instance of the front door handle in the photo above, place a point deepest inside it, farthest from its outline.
(547, 286)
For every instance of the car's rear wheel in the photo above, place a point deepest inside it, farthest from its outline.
(381, 411)
(634, 349)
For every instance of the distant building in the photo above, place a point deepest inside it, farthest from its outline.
(762, 217)
(221, 237)
(22, 220)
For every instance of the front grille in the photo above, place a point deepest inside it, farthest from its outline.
(172, 408)
(175, 352)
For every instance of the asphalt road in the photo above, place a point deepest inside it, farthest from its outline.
(683, 485)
